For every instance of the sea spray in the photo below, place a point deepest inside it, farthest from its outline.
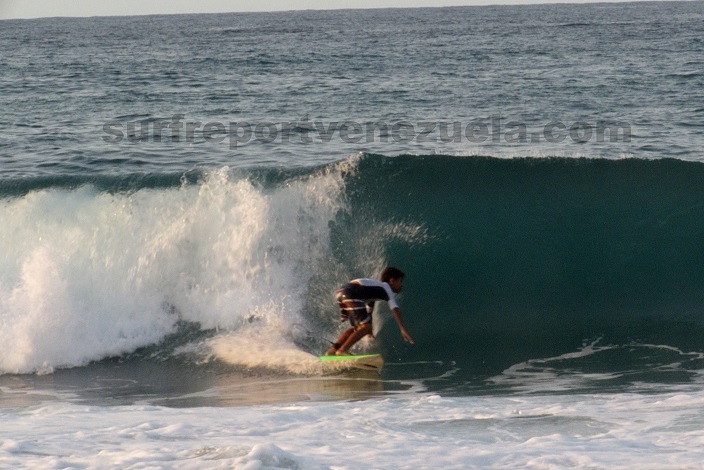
(93, 274)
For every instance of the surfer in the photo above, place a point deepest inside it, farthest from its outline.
(356, 301)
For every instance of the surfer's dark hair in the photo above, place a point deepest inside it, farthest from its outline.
(391, 273)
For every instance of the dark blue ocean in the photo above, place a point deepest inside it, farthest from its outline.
(181, 195)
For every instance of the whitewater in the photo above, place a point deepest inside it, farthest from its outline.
(427, 431)
(181, 196)
(121, 271)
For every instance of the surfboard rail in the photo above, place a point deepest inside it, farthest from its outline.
(362, 361)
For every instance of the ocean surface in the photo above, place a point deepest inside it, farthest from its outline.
(180, 197)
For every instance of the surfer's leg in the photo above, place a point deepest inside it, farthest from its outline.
(361, 331)
(340, 341)
(356, 312)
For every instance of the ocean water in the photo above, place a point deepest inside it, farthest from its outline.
(181, 195)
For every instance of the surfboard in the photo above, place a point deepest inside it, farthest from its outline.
(363, 361)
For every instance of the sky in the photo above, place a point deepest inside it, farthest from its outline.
(48, 8)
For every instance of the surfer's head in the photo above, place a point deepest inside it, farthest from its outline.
(393, 277)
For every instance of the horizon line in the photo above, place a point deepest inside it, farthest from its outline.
(212, 11)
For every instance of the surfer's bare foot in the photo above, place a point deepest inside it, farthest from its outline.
(331, 351)
(341, 352)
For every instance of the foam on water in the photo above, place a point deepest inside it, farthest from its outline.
(590, 368)
(618, 431)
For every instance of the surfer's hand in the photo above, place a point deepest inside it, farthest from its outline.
(399, 320)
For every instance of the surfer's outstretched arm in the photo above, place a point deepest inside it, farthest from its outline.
(396, 312)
